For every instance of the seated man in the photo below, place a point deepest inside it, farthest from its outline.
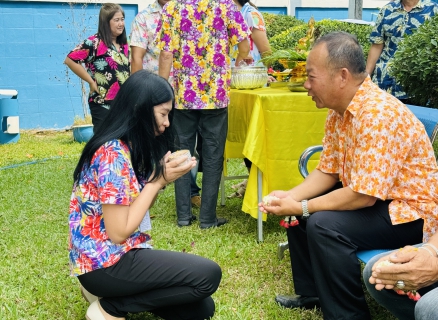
(411, 268)
(381, 154)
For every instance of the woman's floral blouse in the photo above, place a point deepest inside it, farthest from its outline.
(253, 19)
(108, 67)
(379, 148)
(110, 179)
(392, 23)
(200, 33)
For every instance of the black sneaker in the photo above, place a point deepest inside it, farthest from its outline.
(219, 222)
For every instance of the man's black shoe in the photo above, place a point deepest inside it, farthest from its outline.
(297, 302)
(219, 222)
(182, 223)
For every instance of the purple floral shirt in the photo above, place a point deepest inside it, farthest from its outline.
(200, 34)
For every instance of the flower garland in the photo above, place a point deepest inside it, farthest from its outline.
(290, 221)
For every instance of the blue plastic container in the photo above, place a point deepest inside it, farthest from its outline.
(82, 133)
(9, 120)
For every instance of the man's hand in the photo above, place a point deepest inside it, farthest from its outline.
(284, 206)
(416, 267)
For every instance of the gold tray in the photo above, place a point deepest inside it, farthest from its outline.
(296, 87)
(278, 84)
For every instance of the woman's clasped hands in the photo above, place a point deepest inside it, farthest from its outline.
(176, 168)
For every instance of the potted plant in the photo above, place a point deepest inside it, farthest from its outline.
(82, 128)
(79, 25)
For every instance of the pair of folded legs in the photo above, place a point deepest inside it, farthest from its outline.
(171, 285)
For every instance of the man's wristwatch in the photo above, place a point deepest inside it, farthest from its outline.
(306, 214)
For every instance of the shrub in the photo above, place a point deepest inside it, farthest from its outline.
(289, 38)
(415, 64)
(276, 23)
(361, 31)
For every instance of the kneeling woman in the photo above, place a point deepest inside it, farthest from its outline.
(116, 181)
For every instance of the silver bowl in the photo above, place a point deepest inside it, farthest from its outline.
(248, 77)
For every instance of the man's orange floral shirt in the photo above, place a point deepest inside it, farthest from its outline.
(379, 148)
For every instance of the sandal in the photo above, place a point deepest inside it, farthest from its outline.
(240, 185)
(235, 195)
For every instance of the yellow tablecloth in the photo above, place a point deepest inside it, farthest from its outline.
(272, 127)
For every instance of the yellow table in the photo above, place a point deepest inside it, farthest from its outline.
(271, 127)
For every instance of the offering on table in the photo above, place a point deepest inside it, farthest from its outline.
(248, 77)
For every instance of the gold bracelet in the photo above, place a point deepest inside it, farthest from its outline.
(430, 252)
(432, 246)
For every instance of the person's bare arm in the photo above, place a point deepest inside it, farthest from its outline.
(314, 185)
(243, 48)
(137, 55)
(261, 41)
(373, 56)
(80, 71)
(121, 221)
(165, 64)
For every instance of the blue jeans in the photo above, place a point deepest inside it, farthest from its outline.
(399, 305)
(213, 125)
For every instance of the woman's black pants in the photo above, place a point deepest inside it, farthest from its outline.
(171, 285)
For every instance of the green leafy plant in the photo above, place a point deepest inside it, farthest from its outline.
(289, 54)
(277, 23)
(415, 64)
(289, 38)
(361, 31)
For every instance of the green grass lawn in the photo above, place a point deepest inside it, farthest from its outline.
(35, 281)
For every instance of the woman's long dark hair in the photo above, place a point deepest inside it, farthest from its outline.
(243, 2)
(131, 119)
(107, 12)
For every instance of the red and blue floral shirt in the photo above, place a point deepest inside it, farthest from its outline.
(108, 67)
(109, 179)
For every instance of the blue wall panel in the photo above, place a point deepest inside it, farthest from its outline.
(332, 13)
(35, 38)
(276, 10)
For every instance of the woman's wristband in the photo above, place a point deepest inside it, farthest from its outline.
(425, 248)
(432, 246)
